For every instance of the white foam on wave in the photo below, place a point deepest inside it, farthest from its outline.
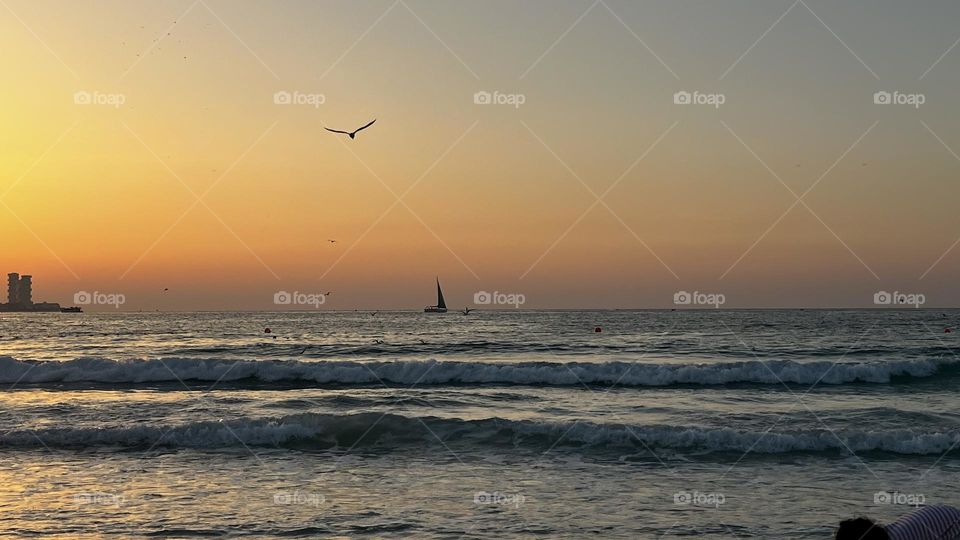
(432, 372)
(393, 431)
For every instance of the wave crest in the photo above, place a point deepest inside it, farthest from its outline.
(329, 431)
(433, 372)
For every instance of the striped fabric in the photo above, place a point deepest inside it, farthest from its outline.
(927, 523)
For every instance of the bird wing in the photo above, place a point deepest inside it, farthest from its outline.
(366, 126)
(337, 131)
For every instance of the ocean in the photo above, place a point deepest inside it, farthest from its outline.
(526, 424)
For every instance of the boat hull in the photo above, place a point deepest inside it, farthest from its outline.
(435, 310)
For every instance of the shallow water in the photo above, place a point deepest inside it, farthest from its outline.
(714, 424)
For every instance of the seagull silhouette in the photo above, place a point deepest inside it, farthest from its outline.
(353, 133)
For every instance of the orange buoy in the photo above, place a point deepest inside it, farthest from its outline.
(598, 329)
(267, 330)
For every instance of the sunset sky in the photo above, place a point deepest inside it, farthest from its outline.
(95, 197)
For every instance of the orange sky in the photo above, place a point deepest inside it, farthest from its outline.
(97, 197)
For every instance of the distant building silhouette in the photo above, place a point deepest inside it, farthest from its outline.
(20, 296)
(25, 291)
(13, 289)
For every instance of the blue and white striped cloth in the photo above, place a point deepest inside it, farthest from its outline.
(927, 523)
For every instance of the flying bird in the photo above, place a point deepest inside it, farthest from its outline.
(353, 133)
(331, 241)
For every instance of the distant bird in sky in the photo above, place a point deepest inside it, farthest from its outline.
(331, 241)
(353, 133)
(165, 289)
(328, 293)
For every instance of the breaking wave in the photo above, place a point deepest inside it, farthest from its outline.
(391, 431)
(433, 372)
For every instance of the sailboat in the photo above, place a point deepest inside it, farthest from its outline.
(441, 306)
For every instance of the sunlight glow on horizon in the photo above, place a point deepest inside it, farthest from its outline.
(110, 193)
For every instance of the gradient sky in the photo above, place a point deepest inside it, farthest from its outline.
(97, 198)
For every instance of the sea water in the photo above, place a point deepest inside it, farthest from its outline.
(710, 424)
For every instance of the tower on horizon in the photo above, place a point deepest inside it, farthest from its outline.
(25, 291)
(20, 298)
(13, 288)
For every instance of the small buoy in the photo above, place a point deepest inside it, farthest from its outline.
(946, 330)
(267, 330)
(598, 329)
